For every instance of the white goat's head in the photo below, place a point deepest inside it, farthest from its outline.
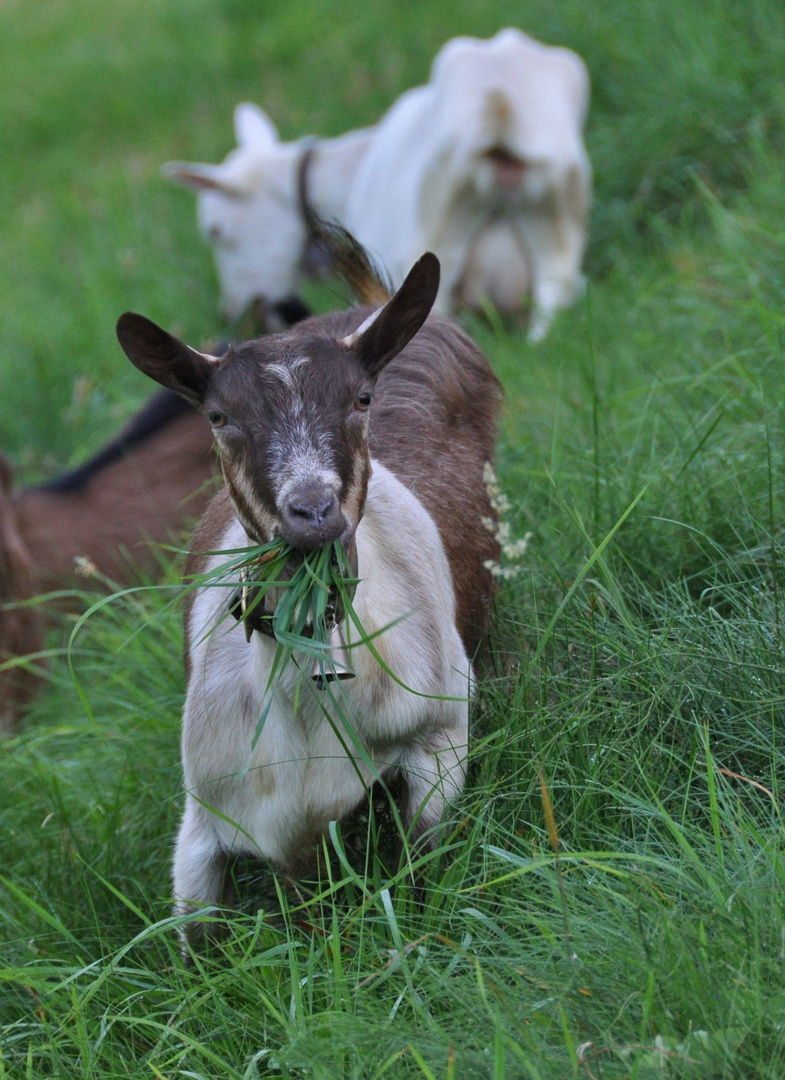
(248, 211)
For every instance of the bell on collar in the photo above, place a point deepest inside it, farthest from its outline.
(335, 664)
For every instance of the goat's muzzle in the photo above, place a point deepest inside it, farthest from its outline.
(311, 516)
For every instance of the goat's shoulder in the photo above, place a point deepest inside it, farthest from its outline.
(441, 361)
(406, 591)
(209, 533)
(402, 531)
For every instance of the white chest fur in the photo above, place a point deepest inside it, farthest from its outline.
(319, 750)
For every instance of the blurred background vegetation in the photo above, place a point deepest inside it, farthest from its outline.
(686, 100)
(640, 666)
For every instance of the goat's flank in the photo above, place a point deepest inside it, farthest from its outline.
(136, 492)
(369, 428)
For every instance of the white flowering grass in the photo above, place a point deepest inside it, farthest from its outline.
(512, 551)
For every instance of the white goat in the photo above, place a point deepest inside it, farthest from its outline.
(485, 165)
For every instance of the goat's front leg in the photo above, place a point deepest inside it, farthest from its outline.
(453, 239)
(434, 770)
(555, 236)
(199, 870)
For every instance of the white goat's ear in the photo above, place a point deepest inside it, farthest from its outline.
(198, 177)
(165, 358)
(253, 127)
(383, 334)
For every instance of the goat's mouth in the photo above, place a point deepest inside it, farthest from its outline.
(300, 551)
(508, 168)
(299, 555)
(300, 545)
(261, 315)
(247, 319)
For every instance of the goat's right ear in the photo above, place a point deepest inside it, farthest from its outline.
(382, 336)
(165, 358)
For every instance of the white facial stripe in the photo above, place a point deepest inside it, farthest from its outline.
(300, 452)
(261, 518)
(300, 464)
(285, 372)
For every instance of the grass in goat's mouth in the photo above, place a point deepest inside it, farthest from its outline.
(308, 592)
(299, 595)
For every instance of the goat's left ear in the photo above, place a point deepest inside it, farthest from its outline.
(391, 328)
(165, 358)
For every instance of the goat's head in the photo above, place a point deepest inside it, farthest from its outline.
(248, 212)
(21, 628)
(290, 412)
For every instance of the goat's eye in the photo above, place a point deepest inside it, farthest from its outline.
(216, 418)
(363, 401)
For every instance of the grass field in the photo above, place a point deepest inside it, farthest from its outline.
(610, 899)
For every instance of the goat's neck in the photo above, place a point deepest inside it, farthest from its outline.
(333, 165)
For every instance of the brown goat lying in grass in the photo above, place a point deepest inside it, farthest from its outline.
(138, 490)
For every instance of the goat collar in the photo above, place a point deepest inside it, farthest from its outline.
(248, 607)
(315, 254)
(303, 170)
(254, 616)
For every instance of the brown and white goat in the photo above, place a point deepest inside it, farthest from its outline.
(140, 489)
(358, 425)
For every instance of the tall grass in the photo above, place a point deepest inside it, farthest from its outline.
(609, 895)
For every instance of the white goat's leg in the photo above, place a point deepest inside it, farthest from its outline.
(434, 771)
(452, 246)
(554, 240)
(199, 866)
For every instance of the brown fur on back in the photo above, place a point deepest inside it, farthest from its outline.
(21, 627)
(453, 437)
(114, 520)
(133, 504)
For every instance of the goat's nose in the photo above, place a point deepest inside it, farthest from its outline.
(312, 509)
(311, 516)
